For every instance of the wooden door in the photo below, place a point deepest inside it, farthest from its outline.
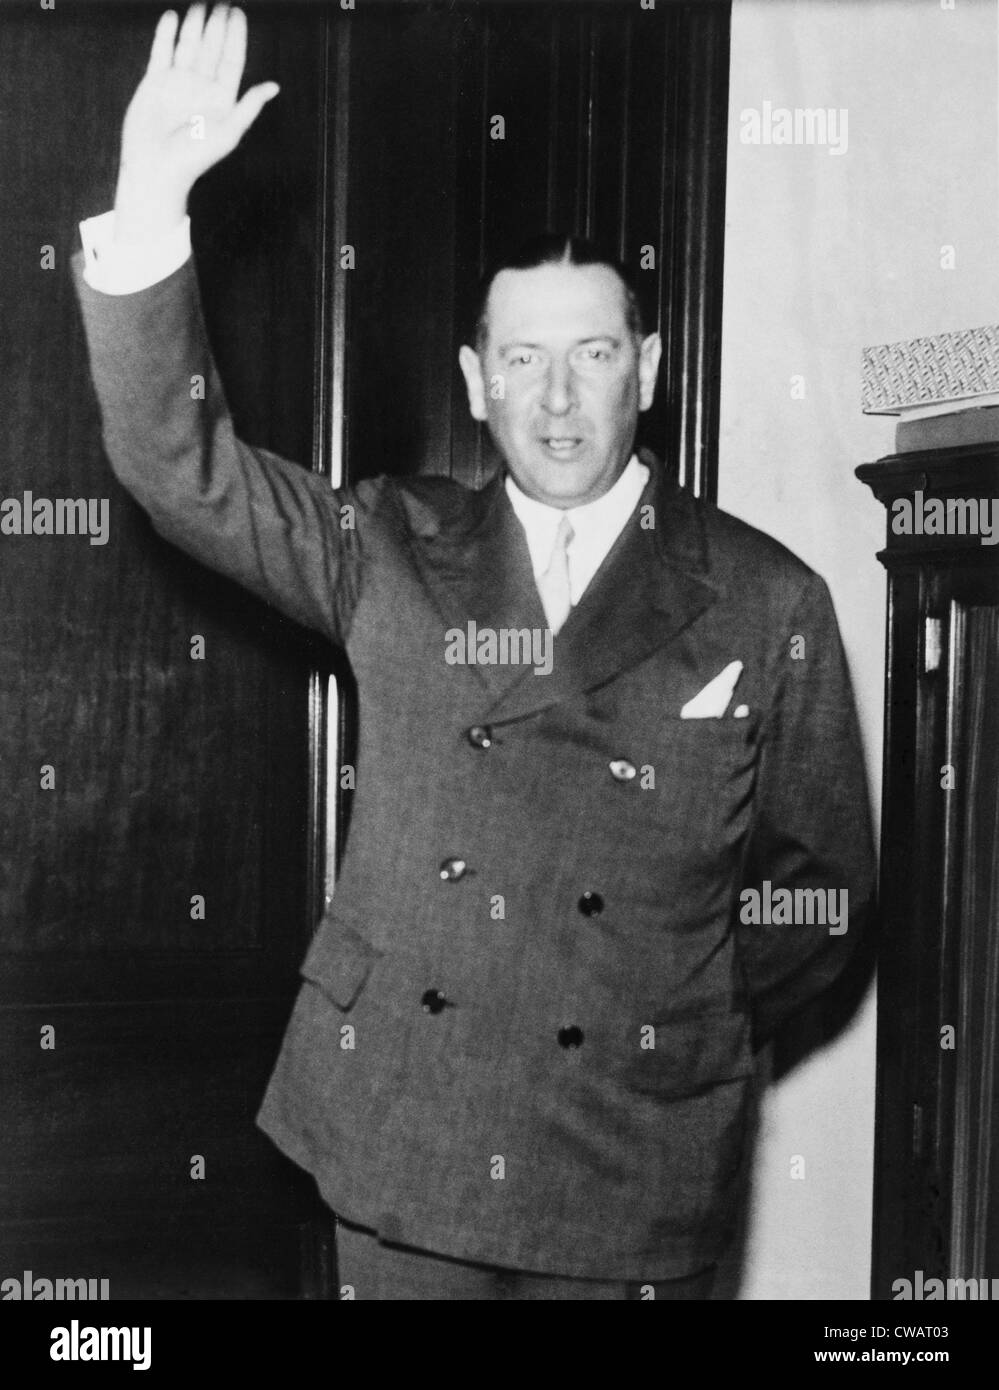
(137, 1033)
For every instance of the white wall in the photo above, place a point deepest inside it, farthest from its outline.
(824, 255)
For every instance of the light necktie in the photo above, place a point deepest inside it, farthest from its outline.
(553, 583)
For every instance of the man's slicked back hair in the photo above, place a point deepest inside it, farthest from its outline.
(556, 248)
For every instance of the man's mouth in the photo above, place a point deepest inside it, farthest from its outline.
(562, 445)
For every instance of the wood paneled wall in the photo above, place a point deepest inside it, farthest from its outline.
(173, 777)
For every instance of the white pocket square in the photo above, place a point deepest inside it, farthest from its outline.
(713, 700)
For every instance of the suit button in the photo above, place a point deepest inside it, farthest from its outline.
(570, 1037)
(591, 904)
(433, 1001)
(480, 736)
(622, 771)
(453, 869)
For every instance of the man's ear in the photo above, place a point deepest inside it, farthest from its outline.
(475, 384)
(648, 369)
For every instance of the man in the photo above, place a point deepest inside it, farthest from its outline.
(610, 826)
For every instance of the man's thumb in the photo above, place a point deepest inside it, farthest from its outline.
(249, 107)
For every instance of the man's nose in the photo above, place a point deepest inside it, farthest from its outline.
(560, 389)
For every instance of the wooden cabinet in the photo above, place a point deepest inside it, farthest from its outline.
(937, 1145)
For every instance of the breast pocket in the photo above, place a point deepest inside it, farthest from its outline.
(705, 750)
(340, 962)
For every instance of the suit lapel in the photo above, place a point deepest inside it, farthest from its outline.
(478, 568)
(650, 587)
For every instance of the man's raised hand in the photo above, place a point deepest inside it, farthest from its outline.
(183, 118)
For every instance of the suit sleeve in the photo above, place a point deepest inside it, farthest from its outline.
(269, 524)
(812, 821)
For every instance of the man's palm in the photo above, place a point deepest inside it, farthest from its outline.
(184, 116)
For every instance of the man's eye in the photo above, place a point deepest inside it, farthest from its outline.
(523, 359)
(595, 354)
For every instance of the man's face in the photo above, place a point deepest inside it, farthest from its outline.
(561, 379)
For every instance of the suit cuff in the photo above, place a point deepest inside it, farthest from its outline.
(114, 267)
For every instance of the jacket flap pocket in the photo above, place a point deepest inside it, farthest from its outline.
(339, 961)
(691, 1054)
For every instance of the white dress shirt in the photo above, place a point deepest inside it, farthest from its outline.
(596, 525)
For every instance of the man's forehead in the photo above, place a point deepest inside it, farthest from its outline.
(556, 301)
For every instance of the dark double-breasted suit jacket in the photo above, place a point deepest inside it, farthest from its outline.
(524, 1034)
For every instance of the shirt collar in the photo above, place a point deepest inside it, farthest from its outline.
(592, 522)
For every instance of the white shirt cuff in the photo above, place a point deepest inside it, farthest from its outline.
(124, 268)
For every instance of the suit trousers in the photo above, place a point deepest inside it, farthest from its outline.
(372, 1269)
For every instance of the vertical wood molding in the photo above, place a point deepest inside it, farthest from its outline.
(667, 196)
(624, 183)
(699, 67)
(554, 77)
(327, 712)
(332, 179)
(588, 73)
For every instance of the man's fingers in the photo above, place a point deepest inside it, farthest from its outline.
(250, 107)
(207, 58)
(190, 37)
(230, 68)
(161, 53)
